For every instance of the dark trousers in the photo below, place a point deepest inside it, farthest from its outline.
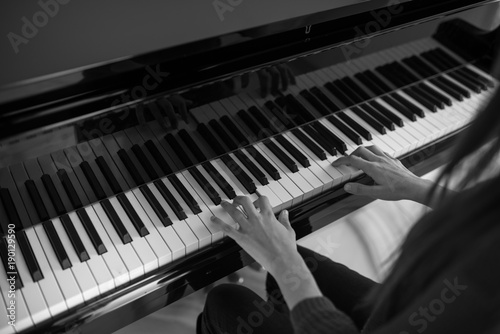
(234, 309)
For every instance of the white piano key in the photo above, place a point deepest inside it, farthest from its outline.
(81, 272)
(154, 239)
(239, 189)
(65, 279)
(9, 300)
(174, 243)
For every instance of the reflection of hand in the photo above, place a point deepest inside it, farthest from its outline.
(393, 180)
(271, 78)
(168, 110)
(260, 234)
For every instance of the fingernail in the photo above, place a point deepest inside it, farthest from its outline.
(223, 202)
(212, 218)
(347, 187)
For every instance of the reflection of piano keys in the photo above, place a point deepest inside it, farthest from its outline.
(403, 102)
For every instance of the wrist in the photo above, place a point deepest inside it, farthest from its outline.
(419, 190)
(284, 262)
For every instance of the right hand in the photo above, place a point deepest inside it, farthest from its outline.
(393, 180)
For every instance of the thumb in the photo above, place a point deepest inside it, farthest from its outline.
(284, 220)
(363, 190)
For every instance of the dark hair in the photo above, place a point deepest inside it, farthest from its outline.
(462, 225)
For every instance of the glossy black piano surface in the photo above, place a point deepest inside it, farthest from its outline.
(109, 173)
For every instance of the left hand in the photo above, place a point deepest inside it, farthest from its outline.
(267, 239)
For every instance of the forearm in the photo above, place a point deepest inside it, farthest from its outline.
(421, 193)
(294, 279)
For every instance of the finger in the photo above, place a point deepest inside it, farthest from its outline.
(363, 190)
(366, 154)
(233, 211)
(284, 77)
(265, 82)
(262, 203)
(181, 104)
(356, 162)
(232, 232)
(247, 204)
(169, 109)
(284, 219)
(376, 150)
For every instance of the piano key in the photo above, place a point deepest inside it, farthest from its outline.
(280, 115)
(346, 89)
(57, 246)
(345, 129)
(124, 142)
(235, 183)
(296, 104)
(315, 102)
(435, 93)
(116, 221)
(170, 199)
(10, 211)
(141, 157)
(108, 174)
(23, 319)
(257, 131)
(193, 147)
(211, 140)
(413, 108)
(289, 163)
(49, 168)
(179, 226)
(356, 126)
(320, 139)
(375, 83)
(185, 195)
(419, 96)
(322, 130)
(91, 231)
(19, 177)
(242, 140)
(389, 99)
(151, 248)
(441, 82)
(383, 115)
(132, 215)
(92, 179)
(115, 166)
(74, 159)
(167, 233)
(69, 188)
(387, 72)
(226, 138)
(335, 91)
(379, 127)
(155, 206)
(80, 270)
(301, 158)
(235, 169)
(332, 107)
(259, 116)
(179, 150)
(53, 194)
(219, 180)
(113, 149)
(146, 160)
(77, 243)
(478, 76)
(37, 200)
(263, 162)
(101, 186)
(160, 160)
(132, 169)
(457, 76)
(65, 280)
(192, 221)
(254, 170)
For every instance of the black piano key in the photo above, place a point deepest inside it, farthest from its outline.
(205, 185)
(108, 175)
(478, 76)
(397, 80)
(339, 94)
(373, 87)
(289, 110)
(157, 208)
(386, 113)
(327, 134)
(420, 67)
(193, 146)
(332, 107)
(472, 78)
(70, 190)
(345, 129)
(9, 266)
(219, 130)
(399, 107)
(420, 98)
(132, 215)
(278, 113)
(210, 139)
(170, 199)
(57, 245)
(29, 256)
(445, 57)
(356, 88)
(268, 167)
(381, 118)
(77, 243)
(284, 158)
(160, 160)
(318, 151)
(374, 81)
(413, 108)
(263, 120)
(116, 221)
(179, 151)
(91, 231)
(448, 89)
(257, 131)
(130, 166)
(353, 124)
(452, 62)
(146, 164)
(444, 99)
(315, 102)
(256, 172)
(53, 194)
(186, 196)
(470, 85)
(40, 208)
(219, 179)
(235, 131)
(429, 97)
(296, 105)
(435, 61)
(322, 141)
(346, 89)
(92, 179)
(240, 174)
(370, 120)
(301, 158)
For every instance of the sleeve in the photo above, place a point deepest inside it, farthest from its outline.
(318, 315)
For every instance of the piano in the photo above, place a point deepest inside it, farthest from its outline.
(112, 164)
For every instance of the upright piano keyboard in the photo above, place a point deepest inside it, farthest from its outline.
(102, 224)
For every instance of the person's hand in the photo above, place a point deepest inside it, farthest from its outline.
(393, 180)
(260, 234)
(274, 79)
